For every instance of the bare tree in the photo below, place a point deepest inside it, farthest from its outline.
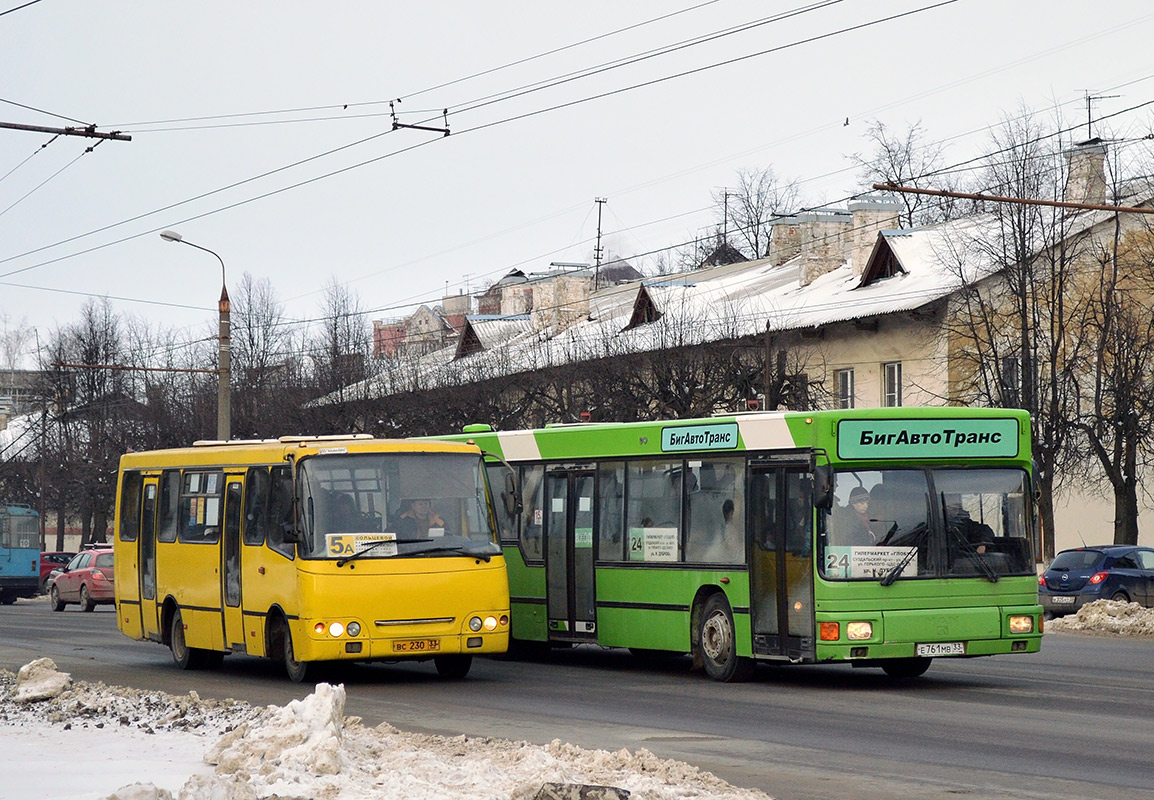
(907, 159)
(748, 210)
(1008, 327)
(1117, 416)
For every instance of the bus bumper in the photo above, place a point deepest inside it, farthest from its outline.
(316, 641)
(937, 633)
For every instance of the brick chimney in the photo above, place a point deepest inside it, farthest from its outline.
(870, 216)
(1086, 172)
(823, 239)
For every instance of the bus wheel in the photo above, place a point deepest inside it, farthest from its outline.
(54, 599)
(906, 667)
(453, 667)
(183, 656)
(297, 670)
(719, 644)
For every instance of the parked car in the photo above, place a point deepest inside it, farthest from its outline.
(86, 580)
(49, 562)
(1103, 572)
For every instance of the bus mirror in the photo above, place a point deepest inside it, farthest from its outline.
(823, 487)
(511, 497)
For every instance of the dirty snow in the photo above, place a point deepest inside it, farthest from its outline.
(1106, 618)
(95, 742)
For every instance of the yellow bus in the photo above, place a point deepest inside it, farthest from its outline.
(308, 549)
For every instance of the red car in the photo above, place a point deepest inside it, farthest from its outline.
(86, 579)
(50, 562)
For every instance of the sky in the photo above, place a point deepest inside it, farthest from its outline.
(263, 132)
(194, 749)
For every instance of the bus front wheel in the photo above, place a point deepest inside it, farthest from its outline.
(297, 670)
(719, 643)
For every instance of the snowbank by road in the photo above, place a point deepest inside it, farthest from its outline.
(1106, 618)
(307, 749)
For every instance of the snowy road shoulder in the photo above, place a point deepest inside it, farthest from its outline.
(94, 741)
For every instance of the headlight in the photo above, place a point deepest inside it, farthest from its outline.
(475, 624)
(1021, 623)
(354, 629)
(490, 623)
(336, 629)
(857, 631)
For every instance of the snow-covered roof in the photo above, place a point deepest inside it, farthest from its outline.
(907, 270)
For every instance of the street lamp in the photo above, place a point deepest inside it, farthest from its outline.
(224, 377)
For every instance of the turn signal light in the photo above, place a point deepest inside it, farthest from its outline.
(830, 631)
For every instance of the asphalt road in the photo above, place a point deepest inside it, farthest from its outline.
(1074, 721)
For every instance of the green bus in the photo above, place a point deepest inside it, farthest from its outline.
(879, 537)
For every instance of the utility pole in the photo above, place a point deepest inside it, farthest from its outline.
(597, 250)
(88, 131)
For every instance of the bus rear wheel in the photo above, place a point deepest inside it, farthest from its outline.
(906, 667)
(453, 667)
(718, 643)
(183, 656)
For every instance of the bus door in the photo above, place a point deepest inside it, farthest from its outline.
(781, 560)
(570, 595)
(233, 619)
(150, 614)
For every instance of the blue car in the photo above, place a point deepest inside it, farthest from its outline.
(1103, 572)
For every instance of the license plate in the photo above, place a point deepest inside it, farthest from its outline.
(416, 645)
(941, 649)
(1061, 599)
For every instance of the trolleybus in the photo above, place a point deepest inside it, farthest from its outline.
(19, 553)
(307, 549)
(880, 537)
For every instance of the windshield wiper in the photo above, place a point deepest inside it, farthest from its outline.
(973, 553)
(342, 561)
(918, 532)
(465, 550)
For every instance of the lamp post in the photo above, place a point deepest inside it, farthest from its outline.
(224, 378)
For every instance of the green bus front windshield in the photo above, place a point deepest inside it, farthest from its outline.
(897, 524)
(383, 505)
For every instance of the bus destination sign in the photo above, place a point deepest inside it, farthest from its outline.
(927, 438)
(719, 436)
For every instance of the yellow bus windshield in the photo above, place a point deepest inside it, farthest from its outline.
(382, 505)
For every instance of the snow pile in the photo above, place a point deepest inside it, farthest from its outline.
(1106, 617)
(309, 749)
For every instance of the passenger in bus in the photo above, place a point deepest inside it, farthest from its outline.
(417, 520)
(857, 527)
(344, 516)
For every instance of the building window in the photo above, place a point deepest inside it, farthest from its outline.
(1011, 380)
(892, 386)
(845, 388)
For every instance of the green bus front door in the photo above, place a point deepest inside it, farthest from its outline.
(781, 561)
(570, 595)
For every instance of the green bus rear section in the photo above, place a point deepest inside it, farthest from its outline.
(652, 607)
